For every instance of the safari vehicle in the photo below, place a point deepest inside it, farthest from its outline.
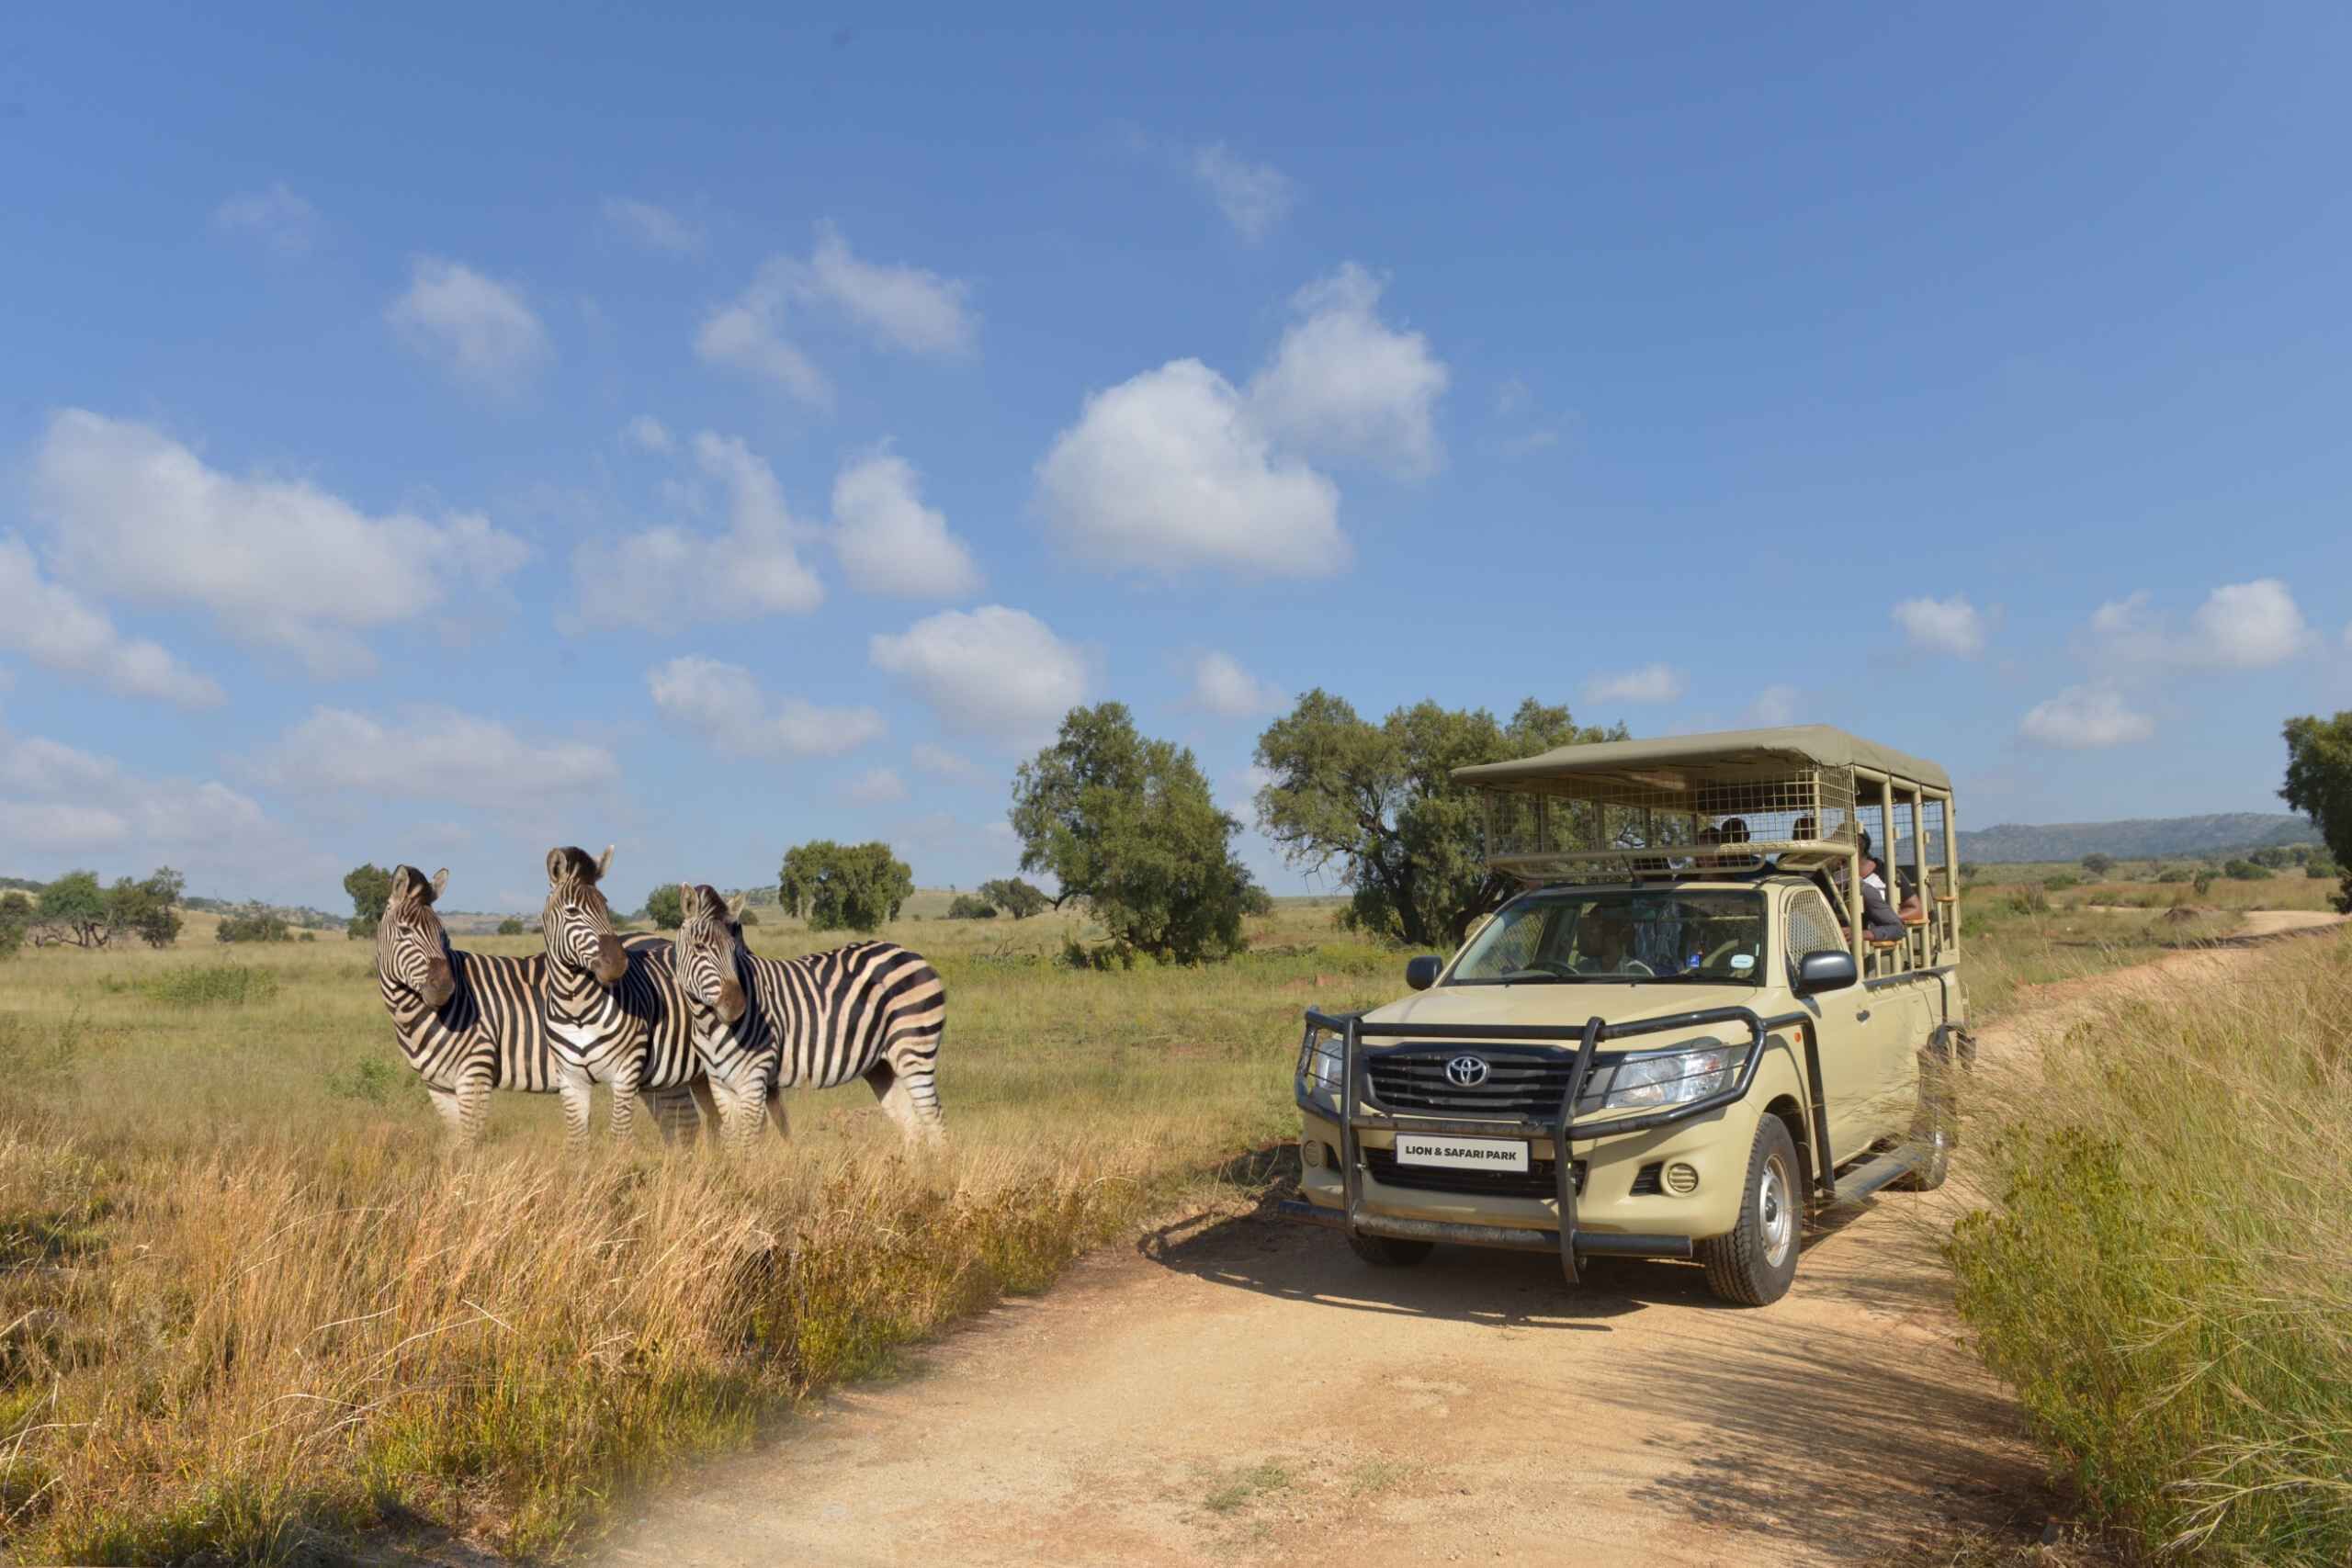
(1681, 1035)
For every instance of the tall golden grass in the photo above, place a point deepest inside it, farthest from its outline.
(2166, 1274)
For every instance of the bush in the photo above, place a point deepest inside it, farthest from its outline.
(748, 918)
(2246, 871)
(2202, 882)
(2027, 899)
(233, 985)
(254, 925)
(2174, 874)
(2097, 866)
(1013, 896)
(510, 926)
(373, 1081)
(665, 908)
(2320, 868)
(15, 920)
(967, 907)
(2060, 883)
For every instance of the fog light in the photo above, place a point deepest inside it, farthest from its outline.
(1681, 1179)
(1310, 1151)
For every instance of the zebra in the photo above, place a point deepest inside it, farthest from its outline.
(614, 1013)
(872, 1010)
(470, 1023)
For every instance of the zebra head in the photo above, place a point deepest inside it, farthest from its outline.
(411, 948)
(710, 948)
(577, 922)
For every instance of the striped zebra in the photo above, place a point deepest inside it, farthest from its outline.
(613, 1012)
(873, 1009)
(470, 1023)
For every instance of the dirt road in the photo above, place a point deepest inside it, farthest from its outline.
(1237, 1387)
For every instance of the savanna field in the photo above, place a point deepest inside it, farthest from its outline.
(250, 1308)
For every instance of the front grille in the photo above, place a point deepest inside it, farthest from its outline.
(1519, 1083)
(1536, 1181)
(1645, 1181)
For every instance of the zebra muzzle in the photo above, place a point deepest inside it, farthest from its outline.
(611, 962)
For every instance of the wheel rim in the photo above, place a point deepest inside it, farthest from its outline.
(1774, 1216)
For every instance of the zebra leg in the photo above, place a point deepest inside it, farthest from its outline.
(776, 1110)
(673, 1116)
(624, 1123)
(898, 1094)
(473, 1103)
(739, 1115)
(452, 1112)
(707, 1103)
(579, 1105)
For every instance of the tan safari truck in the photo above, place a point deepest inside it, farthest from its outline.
(1686, 1031)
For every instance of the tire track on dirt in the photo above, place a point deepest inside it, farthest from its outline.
(1236, 1386)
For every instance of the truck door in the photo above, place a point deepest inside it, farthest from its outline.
(1851, 1030)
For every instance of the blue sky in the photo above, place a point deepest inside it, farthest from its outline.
(432, 436)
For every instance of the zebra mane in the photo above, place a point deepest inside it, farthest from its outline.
(573, 865)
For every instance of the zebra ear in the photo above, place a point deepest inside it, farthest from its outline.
(605, 864)
(555, 865)
(440, 880)
(735, 907)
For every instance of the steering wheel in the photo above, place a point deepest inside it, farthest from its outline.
(1635, 966)
(1542, 966)
(1726, 951)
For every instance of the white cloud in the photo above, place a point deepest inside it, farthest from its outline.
(277, 562)
(1345, 383)
(1650, 683)
(277, 217)
(430, 752)
(723, 704)
(991, 672)
(667, 576)
(2249, 626)
(940, 762)
(905, 307)
(52, 625)
(1775, 705)
(655, 228)
(59, 804)
(875, 786)
(1942, 625)
(651, 433)
(2082, 716)
(890, 541)
(1254, 197)
(1167, 471)
(1222, 687)
(478, 329)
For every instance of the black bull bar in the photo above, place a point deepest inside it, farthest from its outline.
(1561, 1129)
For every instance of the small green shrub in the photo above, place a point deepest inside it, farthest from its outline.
(210, 984)
(2174, 874)
(256, 925)
(2246, 871)
(2063, 881)
(510, 926)
(372, 1080)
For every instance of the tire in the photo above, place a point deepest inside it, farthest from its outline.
(1937, 1127)
(1388, 1251)
(1754, 1263)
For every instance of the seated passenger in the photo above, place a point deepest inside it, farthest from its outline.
(1605, 942)
(1880, 920)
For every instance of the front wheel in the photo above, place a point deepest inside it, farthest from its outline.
(1754, 1264)
(1388, 1251)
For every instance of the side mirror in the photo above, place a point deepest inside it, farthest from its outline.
(1421, 973)
(1819, 972)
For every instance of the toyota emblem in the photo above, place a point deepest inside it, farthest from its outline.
(1467, 1072)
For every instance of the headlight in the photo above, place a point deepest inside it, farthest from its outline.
(1673, 1077)
(1319, 1061)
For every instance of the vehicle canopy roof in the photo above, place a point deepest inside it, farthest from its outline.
(1721, 754)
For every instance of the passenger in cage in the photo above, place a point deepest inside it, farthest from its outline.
(1880, 920)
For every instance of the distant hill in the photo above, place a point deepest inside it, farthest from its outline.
(2139, 837)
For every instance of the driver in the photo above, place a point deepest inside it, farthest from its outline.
(1604, 940)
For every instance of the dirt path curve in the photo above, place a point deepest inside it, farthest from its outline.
(1235, 1386)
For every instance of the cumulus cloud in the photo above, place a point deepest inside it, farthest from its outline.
(428, 752)
(650, 434)
(52, 625)
(992, 671)
(1177, 468)
(2085, 717)
(890, 542)
(1775, 705)
(1222, 687)
(278, 562)
(723, 704)
(2249, 626)
(875, 786)
(1650, 683)
(666, 576)
(1254, 197)
(654, 228)
(479, 330)
(940, 762)
(1345, 383)
(906, 307)
(60, 804)
(1942, 625)
(277, 218)
(1167, 471)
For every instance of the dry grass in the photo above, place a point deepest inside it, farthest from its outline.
(2167, 1276)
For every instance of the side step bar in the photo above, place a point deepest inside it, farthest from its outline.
(1872, 1174)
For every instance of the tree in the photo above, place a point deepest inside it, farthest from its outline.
(510, 926)
(15, 920)
(1127, 824)
(370, 887)
(843, 886)
(666, 907)
(144, 908)
(1015, 897)
(2098, 866)
(967, 907)
(73, 908)
(1378, 801)
(2319, 784)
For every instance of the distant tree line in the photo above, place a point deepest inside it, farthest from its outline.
(77, 910)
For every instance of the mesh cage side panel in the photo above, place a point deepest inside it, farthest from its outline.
(1810, 928)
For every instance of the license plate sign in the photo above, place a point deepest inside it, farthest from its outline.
(1461, 1154)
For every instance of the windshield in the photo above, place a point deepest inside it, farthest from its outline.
(1566, 937)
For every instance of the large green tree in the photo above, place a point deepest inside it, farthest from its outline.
(144, 908)
(1376, 801)
(1127, 824)
(1015, 897)
(665, 908)
(15, 920)
(2319, 784)
(74, 909)
(370, 887)
(843, 886)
